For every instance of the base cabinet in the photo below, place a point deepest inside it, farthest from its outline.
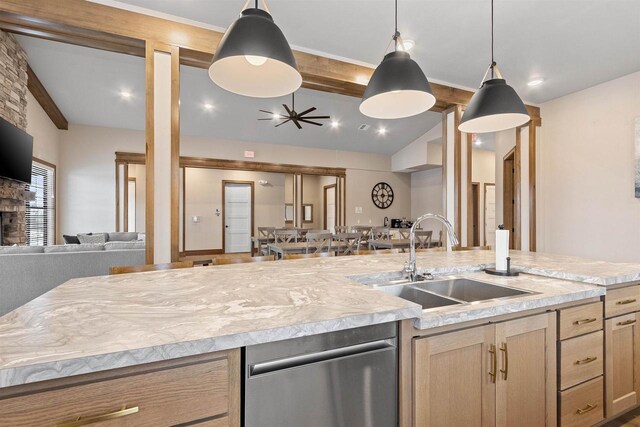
(622, 367)
(495, 375)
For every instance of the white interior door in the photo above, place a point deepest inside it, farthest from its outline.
(131, 206)
(330, 206)
(490, 216)
(237, 218)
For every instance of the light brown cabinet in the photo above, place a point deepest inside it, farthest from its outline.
(622, 367)
(200, 390)
(494, 375)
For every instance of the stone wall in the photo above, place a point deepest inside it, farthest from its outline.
(13, 108)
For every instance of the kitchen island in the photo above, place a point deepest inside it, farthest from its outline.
(95, 325)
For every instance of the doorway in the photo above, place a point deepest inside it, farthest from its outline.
(508, 199)
(490, 215)
(237, 219)
(131, 205)
(475, 214)
(329, 207)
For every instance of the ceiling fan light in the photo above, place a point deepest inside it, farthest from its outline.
(398, 88)
(494, 107)
(254, 58)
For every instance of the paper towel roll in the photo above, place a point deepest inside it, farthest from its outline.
(502, 249)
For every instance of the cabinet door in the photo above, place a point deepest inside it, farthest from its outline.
(526, 386)
(622, 363)
(454, 379)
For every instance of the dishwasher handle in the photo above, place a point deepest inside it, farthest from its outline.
(319, 356)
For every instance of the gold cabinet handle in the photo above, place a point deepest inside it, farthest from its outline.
(589, 407)
(494, 363)
(505, 360)
(585, 361)
(626, 301)
(626, 322)
(585, 321)
(99, 418)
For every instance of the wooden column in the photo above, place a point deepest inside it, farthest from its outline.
(532, 187)
(452, 167)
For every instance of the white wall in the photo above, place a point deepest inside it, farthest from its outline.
(505, 141)
(359, 186)
(139, 173)
(586, 203)
(46, 136)
(483, 171)
(426, 196)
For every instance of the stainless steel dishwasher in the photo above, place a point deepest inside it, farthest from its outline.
(337, 379)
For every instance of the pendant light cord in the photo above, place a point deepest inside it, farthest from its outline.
(396, 34)
(493, 62)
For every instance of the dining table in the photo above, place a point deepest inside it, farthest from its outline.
(280, 249)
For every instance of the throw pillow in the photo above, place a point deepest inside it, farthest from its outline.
(92, 239)
(70, 240)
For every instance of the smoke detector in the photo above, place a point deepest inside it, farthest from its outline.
(364, 126)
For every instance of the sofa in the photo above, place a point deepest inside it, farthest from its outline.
(26, 272)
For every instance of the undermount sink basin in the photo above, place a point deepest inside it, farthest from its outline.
(439, 293)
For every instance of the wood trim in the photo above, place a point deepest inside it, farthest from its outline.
(300, 217)
(201, 162)
(532, 188)
(198, 252)
(443, 122)
(47, 103)
(253, 208)
(55, 195)
(517, 193)
(484, 210)
(131, 158)
(104, 27)
(149, 155)
(184, 210)
(324, 203)
(175, 153)
(117, 196)
(125, 199)
(469, 192)
(457, 170)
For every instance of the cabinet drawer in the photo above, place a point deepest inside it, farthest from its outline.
(580, 320)
(582, 405)
(621, 301)
(581, 359)
(166, 397)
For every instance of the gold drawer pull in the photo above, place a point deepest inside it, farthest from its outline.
(494, 363)
(626, 301)
(585, 321)
(588, 408)
(99, 418)
(626, 322)
(585, 361)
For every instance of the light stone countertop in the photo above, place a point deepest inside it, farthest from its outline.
(99, 323)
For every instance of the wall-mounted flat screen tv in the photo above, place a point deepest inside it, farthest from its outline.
(16, 153)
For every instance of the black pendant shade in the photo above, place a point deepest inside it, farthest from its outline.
(398, 88)
(494, 107)
(254, 58)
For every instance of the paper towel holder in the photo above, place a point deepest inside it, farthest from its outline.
(508, 272)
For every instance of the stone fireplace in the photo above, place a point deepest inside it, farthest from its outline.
(13, 108)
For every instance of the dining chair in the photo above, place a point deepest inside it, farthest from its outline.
(243, 260)
(305, 256)
(150, 267)
(319, 242)
(340, 229)
(285, 235)
(348, 243)
(423, 239)
(267, 233)
(365, 233)
(380, 233)
(404, 233)
(318, 232)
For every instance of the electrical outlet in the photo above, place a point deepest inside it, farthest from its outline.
(358, 209)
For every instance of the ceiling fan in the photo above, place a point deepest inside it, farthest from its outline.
(295, 117)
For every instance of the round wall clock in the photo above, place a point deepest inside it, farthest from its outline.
(382, 195)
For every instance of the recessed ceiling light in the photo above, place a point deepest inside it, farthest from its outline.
(207, 106)
(125, 94)
(382, 130)
(277, 116)
(478, 142)
(335, 124)
(535, 82)
(407, 45)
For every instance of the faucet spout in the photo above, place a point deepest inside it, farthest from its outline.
(411, 269)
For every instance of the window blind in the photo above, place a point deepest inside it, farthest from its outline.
(40, 215)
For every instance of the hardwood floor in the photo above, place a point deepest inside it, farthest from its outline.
(630, 419)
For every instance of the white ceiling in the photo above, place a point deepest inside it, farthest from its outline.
(86, 84)
(572, 44)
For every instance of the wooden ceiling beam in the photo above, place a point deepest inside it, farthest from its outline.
(41, 95)
(95, 25)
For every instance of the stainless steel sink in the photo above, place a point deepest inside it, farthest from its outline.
(440, 293)
(469, 290)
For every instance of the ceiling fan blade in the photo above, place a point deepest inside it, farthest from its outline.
(296, 122)
(287, 109)
(310, 122)
(317, 117)
(307, 111)
(265, 111)
(288, 120)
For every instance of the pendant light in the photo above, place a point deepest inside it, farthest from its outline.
(254, 58)
(398, 88)
(495, 106)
